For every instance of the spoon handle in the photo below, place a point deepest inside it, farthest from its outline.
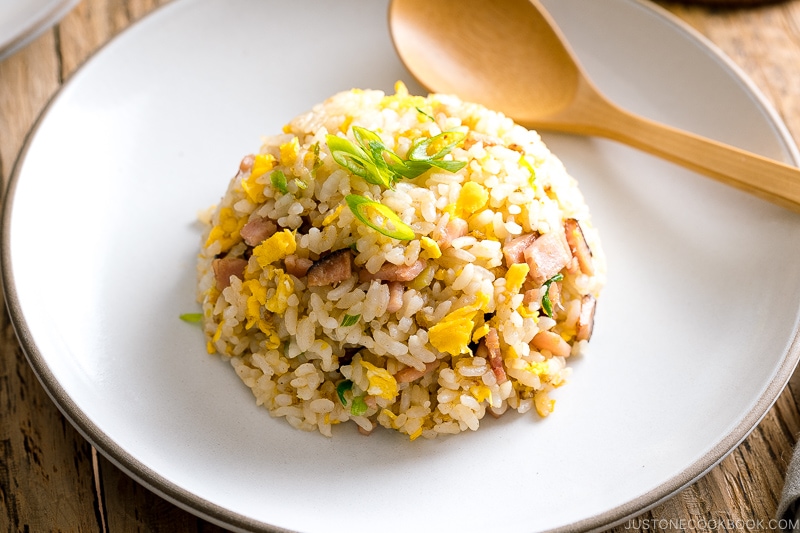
(769, 179)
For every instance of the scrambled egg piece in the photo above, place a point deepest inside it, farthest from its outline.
(401, 100)
(430, 248)
(256, 300)
(285, 287)
(543, 403)
(262, 164)
(328, 220)
(254, 190)
(480, 333)
(345, 125)
(289, 152)
(210, 348)
(227, 231)
(515, 277)
(481, 392)
(453, 334)
(381, 382)
(276, 247)
(472, 198)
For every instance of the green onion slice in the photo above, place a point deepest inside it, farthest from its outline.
(278, 179)
(364, 136)
(192, 318)
(349, 320)
(317, 160)
(341, 388)
(547, 305)
(369, 166)
(358, 407)
(450, 166)
(441, 145)
(422, 112)
(379, 217)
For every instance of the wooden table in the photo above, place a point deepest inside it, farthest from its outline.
(52, 479)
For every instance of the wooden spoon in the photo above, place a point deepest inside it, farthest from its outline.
(511, 57)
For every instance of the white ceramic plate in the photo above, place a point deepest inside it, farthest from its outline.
(21, 21)
(695, 335)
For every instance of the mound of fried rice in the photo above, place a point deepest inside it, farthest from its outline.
(329, 319)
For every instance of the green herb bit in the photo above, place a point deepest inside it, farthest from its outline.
(441, 145)
(355, 159)
(317, 160)
(358, 407)
(278, 180)
(379, 217)
(192, 318)
(300, 183)
(421, 112)
(341, 388)
(388, 163)
(349, 320)
(547, 305)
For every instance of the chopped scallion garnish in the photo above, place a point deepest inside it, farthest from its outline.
(377, 164)
(358, 407)
(355, 159)
(421, 112)
(547, 305)
(379, 217)
(441, 145)
(341, 388)
(191, 317)
(278, 179)
(349, 320)
(317, 161)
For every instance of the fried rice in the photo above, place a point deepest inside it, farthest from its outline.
(400, 261)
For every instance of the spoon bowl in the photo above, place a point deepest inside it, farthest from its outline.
(511, 57)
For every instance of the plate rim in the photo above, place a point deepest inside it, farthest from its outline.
(195, 504)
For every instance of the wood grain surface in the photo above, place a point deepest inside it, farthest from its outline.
(51, 479)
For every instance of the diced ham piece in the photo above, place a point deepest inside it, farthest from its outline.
(514, 250)
(546, 256)
(578, 246)
(371, 401)
(552, 342)
(247, 163)
(297, 266)
(455, 228)
(586, 318)
(392, 272)
(332, 268)
(409, 373)
(531, 295)
(257, 230)
(554, 293)
(225, 267)
(396, 290)
(492, 342)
